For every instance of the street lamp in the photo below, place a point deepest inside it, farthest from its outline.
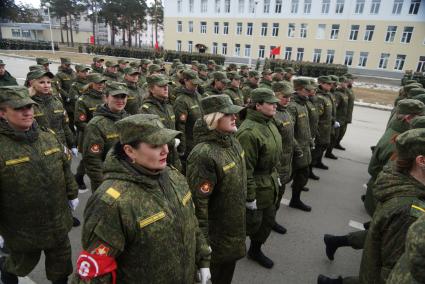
(252, 35)
(50, 25)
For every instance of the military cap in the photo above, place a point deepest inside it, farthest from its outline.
(233, 75)
(244, 66)
(408, 87)
(97, 59)
(154, 68)
(15, 96)
(180, 67)
(34, 67)
(134, 64)
(157, 79)
(123, 61)
(334, 78)
(290, 70)
(220, 76)
(115, 88)
(410, 144)
(284, 88)
(410, 106)
(65, 60)
(81, 67)
(342, 79)
(42, 60)
(350, 76)
(146, 128)
(158, 61)
(233, 66)
(325, 79)
(131, 70)
(219, 103)
(195, 62)
(304, 83)
(211, 62)
(111, 64)
(2, 63)
(278, 70)
(176, 60)
(254, 73)
(192, 75)
(313, 83)
(263, 95)
(219, 68)
(202, 67)
(96, 78)
(266, 72)
(145, 61)
(417, 122)
(38, 73)
(410, 82)
(415, 91)
(420, 97)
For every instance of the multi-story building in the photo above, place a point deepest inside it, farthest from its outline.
(375, 37)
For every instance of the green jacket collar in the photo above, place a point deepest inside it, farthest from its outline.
(257, 116)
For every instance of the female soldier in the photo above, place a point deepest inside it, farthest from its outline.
(101, 133)
(217, 177)
(140, 224)
(262, 143)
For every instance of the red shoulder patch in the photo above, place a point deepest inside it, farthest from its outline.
(183, 117)
(95, 148)
(205, 187)
(82, 117)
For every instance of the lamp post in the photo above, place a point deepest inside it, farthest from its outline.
(50, 25)
(252, 35)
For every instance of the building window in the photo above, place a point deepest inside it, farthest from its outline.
(359, 7)
(179, 26)
(179, 5)
(261, 51)
(325, 6)
(247, 50)
(363, 58)
(275, 30)
(421, 64)
(300, 54)
(291, 30)
(249, 29)
(238, 28)
(294, 6)
(203, 27)
(217, 6)
(383, 61)
(270, 52)
(354, 32)
(330, 56)
(334, 31)
(241, 6)
(225, 28)
(252, 6)
(224, 48)
(303, 31)
(191, 26)
(204, 6)
(26, 33)
(348, 60)
(369, 32)
(391, 30)
(321, 29)
(191, 4)
(397, 6)
(278, 6)
(215, 48)
(407, 34)
(216, 28)
(266, 6)
(339, 8)
(316, 55)
(374, 8)
(264, 29)
(190, 46)
(399, 62)
(307, 6)
(288, 53)
(179, 45)
(414, 7)
(16, 33)
(237, 50)
(227, 6)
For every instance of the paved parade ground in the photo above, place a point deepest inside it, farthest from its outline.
(299, 255)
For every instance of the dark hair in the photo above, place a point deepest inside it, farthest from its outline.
(119, 149)
(404, 165)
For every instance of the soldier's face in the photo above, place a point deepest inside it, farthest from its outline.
(46, 67)
(82, 74)
(190, 85)
(133, 78)
(254, 80)
(326, 86)
(116, 103)
(219, 85)
(20, 119)
(99, 86)
(112, 69)
(123, 65)
(227, 124)
(236, 83)
(42, 85)
(2, 70)
(152, 157)
(283, 100)
(99, 64)
(268, 109)
(159, 91)
(267, 77)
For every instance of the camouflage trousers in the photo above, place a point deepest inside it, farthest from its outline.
(342, 131)
(357, 239)
(222, 272)
(260, 222)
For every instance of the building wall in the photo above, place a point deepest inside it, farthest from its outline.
(80, 37)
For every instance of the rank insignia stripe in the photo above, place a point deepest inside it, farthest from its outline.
(152, 219)
(17, 161)
(112, 136)
(186, 198)
(113, 193)
(51, 151)
(229, 166)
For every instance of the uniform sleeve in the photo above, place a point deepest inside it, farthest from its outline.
(71, 185)
(80, 116)
(250, 146)
(69, 136)
(93, 149)
(181, 110)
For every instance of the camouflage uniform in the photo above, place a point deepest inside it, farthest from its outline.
(7, 79)
(246, 91)
(265, 84)
(76, 89)
(95, 69)
(135, 98)
(235, 95)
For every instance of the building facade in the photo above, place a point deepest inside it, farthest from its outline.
(376, 37)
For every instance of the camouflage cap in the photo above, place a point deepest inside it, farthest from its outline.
(202, 67)
(131, 70)
(157, 79)
(283, 88)
(219, 68)
(410, 86)
(111, 64)
(154, 68)
(15, 96)
(334, 78)
(220, 76)
(219, 103)
(145, 61)
(134, 64)
(290, 70)
(324, 80)
(266, 72)
(2, 63)
(97, 59)
(146, 128)
(233, 75)
(254, 73)
(195, 62)
(410, 144)
(65, 60)
(211, 62)
(263, 95)
(420, 97)
(233, 66)
(42, 61)
(314, 83)
(342, 79)
(34, 67)
(180, 67)
(278, 70)
(244, 66)
(158, 61)
(81, 67)
(349, 76)
(38, 73)
(304, 83)
(115, 88)
(123, 61)
(417, 122)
(410, 106)
(96, 78)
(192, 75)
(410, 82)
(415, 91)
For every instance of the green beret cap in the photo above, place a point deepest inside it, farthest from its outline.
(254, 73)
(65, 60)
(410, 81)
(219, 103)
(97, 59)
(123, 61)
(34, 67)
(38, 73)
(158, 61)
(96, 78)
(192, 75)
(15, 96)
(195, 62)
(410, 106)
(350, 76)
(202, 67)
(263, 95)
(115, 88)
(157, 79)
(219, 68)
(180, 67)
(417, 122)
(313, 83)
(343, 79)
(408, 87)
(131, 70)
(154, 68)
(325, 79)
(233, 66)
(244, 66)
(410, 144)
(302, 82)
(233, 75)
(81, 67)
(284, 88)
(111, 64)
(415, 91)
(146, 128)
(42, 61)
(220, 76)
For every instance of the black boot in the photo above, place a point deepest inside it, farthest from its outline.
(333, 243)
(311, 175)
(322, 166)
(61, 281)
(81, 185)
(75, 222)
(297, 203)
(257, 255)
(322, 279)
(331, 156)
(305, 189)
(6, 277)
(339, 147)
(279, 228)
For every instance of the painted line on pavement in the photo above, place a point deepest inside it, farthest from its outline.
(284, 201)
(356, 225)
(26, 280)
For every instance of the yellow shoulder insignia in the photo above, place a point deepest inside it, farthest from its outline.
(115, 194)
(145, 106)
(152, 219)
(417, 209)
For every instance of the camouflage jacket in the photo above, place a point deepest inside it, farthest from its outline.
(235, 95)
(299, 112)
(7, 80)
(95, 69)
(341, 105)
(313, 115)
(396, 193)
(246, 91)
(350, 106)
(217, 178)
(265, 84)
(262, 144)
(114, 77)
(65, 78)
(35, 185)
(51, 114)
(209, 90)
(326, 109)
(77, 88)
(134, 99)
(147, 222)
(100, 136)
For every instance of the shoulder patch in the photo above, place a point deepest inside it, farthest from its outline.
(95, 148)
(145, 106)
(152, 219)
(205, 188)
(115, 194)
(82, 117)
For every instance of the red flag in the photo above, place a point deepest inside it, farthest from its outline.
(275, 51)
(156, 45)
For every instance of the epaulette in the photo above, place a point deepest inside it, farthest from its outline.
(111, 195)
(417, 209)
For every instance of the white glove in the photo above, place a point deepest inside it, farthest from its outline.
(73, 203)
(279, 182)
(336, 124)
(176, 142)
(204, 275)
(74, 152)
(251, 205)
(1, 242)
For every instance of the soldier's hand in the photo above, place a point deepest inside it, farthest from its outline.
(74, 151)
(204, 275)
(176, 143)
(252, 205)
(336, 124)
(73, 203)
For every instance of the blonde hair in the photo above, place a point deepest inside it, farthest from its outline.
(212, 119)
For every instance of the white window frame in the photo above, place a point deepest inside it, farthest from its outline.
(275, 29)
(217, 6)
(190, 26)
(303, 30)
(321, 33)
(339, 7)
(249, 29)
(390, 35)
(420, 67)
(179, 45)
(291, 30)
(264, 28)
(354, 33)
(348, 58)
(397, 7)
(266, 6)
(359, 7)
(215, 48)
(237, 50)
(334, 32)
(406, 36)
(307, 6)
(414, 7)
(227, 6)
(179, 26)
(190, 46)
(330, 56)
(247, 51)
(191, 6)
(216, 28)
(363, 59)
(203, 27)
(226, 28)
(204, 6)
(300, 54)
(294, 6)
(317, 54)
(261, 51)
(326, 6)
(375, 6)
(241, 6)
(399, 62)
(383, 61)
(278, 7)
(239, 28)
(368, 34)
(179, 5)
(288, 53)
(224, 48)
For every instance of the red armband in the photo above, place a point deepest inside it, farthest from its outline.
(90, 266)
